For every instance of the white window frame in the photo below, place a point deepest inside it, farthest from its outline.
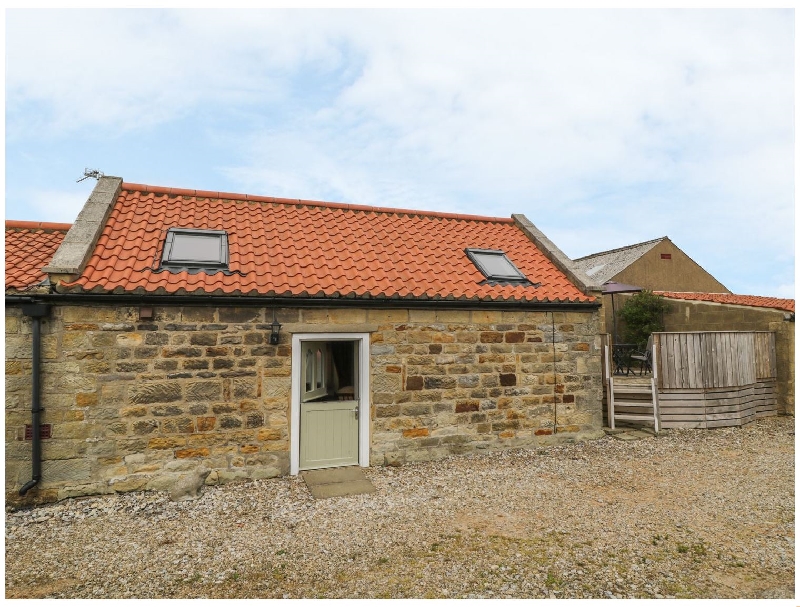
(318, 375)
(364, 401)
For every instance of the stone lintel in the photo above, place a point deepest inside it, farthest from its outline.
(330, 328)
(78, 245)
(557, 256)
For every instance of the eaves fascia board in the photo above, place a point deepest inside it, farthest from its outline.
(301, 302)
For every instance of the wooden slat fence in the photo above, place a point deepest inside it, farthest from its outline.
(714, 359)
(766, 361)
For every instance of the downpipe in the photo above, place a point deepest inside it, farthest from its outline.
(36, 311)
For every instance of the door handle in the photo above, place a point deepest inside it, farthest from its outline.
(355, 411)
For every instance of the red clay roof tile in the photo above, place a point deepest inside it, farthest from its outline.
(30, 246)
(740, 300)
(287, 247)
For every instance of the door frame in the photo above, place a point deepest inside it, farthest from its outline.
(364, 396)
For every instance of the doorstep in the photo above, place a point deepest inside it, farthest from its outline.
(337, 482)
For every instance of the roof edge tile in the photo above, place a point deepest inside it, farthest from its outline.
(14, 224)
(751, 301)
(311, 203)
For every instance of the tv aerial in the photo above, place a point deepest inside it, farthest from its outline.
(90, 173)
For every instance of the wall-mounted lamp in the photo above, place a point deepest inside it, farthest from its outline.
(276, 329)
(788, 316)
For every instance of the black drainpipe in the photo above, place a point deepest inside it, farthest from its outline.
(36, 311)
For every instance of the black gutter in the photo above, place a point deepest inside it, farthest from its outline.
(293, 302)
(36, 311)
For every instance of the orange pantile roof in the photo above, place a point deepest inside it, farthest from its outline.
(739, 300)
(298, 248)
(29, 247)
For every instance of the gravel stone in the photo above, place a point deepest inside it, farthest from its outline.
(687, 514)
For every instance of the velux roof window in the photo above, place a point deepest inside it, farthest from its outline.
(185, 248)
(495, 265)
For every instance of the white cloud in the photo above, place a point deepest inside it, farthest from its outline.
(604, 127)
(57, 205)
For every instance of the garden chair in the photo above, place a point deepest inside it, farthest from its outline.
(645, 358)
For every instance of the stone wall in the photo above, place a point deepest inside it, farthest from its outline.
(456, 381)
(135, 404)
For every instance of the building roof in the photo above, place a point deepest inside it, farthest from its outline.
(299, 248)
(606, 265)
(755, 301)
(29, 246)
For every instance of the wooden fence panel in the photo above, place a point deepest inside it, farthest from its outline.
(714, 359)
(765, 355)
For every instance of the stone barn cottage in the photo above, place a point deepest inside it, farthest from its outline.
(259, 337)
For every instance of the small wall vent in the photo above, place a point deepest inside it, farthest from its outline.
(45, 431)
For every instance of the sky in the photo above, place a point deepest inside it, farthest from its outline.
(604, 127)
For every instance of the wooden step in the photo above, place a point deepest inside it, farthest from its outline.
(633, 418)
(632, 389)
(632, 403)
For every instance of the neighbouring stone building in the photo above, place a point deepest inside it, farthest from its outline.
(655, 265)
(258, 336)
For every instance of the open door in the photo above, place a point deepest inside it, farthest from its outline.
(330, 403)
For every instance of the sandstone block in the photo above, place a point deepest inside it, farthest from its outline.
(181, 352)
(508, 379)
(130, 483)
(434, 382)
(147, 426)
(167, 410)
(278, 445)
(205, 424)
(155, 393)
(486, 317)
(464, 406)
(241, 315)
(269, 434)
(180, 425)
(166, 442)
(277, 387)
(129, 340)
(244, 387)
(386, 316)
(453, 316)
(426, 316)
(187, 453)
(66, 470)
(203, 391)
(229, 422)
(346, 316)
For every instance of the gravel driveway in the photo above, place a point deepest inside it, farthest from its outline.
(690, 513)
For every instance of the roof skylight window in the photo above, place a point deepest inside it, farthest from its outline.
(495, 265)
(202, 249)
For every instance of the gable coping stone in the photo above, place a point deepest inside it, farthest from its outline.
(75, 250)
(556, 255)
